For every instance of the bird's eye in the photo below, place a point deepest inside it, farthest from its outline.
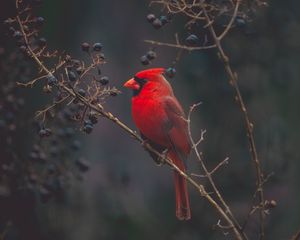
(140, 81)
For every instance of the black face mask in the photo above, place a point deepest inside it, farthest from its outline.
(141, 82)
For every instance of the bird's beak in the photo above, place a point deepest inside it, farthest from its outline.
(132, 84)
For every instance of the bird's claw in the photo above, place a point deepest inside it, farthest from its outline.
(161, 160)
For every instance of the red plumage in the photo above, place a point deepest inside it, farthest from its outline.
(161, 120)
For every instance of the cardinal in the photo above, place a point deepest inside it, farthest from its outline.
(161, 121)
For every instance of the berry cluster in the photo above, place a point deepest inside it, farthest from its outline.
(70, 81)
(158, 22)
(74, 87)
(148, 57)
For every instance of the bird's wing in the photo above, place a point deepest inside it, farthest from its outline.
(176, 127)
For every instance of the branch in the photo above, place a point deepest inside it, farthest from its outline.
(208, 174)
(296, 236)
(248, 125)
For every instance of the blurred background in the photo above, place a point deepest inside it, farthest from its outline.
(124, 195)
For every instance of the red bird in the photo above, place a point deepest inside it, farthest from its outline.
(160, 118)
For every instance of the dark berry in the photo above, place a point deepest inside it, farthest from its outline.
(18, 35)
(88, 128)
(51, 168)
(2, 124)
(76, 63)
(157, 24)
(151, 17)
(45, 195)
(23, 49)
(164, 20)
(97, 47)
(79, 70)
(151, 55)
(82, 164)
(81, 92)
(75, 145)
(33, 178)
(85, 47)
(12, 30)
(69, 132)
(240, 22)
(102, 56)
(39, 21)
(51, 80)
(71, 76)
(192, 39)
(104, 80)
(45, 132)
(144, 60)
(93, 117)
(42, 42)
(170, 72)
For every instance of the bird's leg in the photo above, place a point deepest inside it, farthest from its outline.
(157, 159)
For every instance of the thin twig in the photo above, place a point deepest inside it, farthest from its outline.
(249, 126)
(208, 175)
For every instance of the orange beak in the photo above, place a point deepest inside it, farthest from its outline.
(132, 84)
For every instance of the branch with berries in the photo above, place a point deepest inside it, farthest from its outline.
(214, 20)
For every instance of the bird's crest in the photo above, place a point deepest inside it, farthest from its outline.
(146, 74)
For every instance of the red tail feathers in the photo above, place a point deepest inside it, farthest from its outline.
(183, 211)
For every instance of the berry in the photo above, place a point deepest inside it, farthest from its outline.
(51, 80)
(157, 24)
(85, 47)
(88, 128)
(42, 42)
(240, 22)
(81, 92)
(144, 60)
(71, 76)
(79, 70)
(76, 63)
(33, 178)
(45, 195)
(97, 47)
(76, 145)
(23, 49)
(18, 35)
(51, 168)
(104, 80)
(192, 39)
(12, 30)
(93, 117)
(151, 17)
(39, 21)
(164, 20)
(82, 164)
(69, 132)
(45, 132)
(102, 56)
(170, 72)
(151, 55)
